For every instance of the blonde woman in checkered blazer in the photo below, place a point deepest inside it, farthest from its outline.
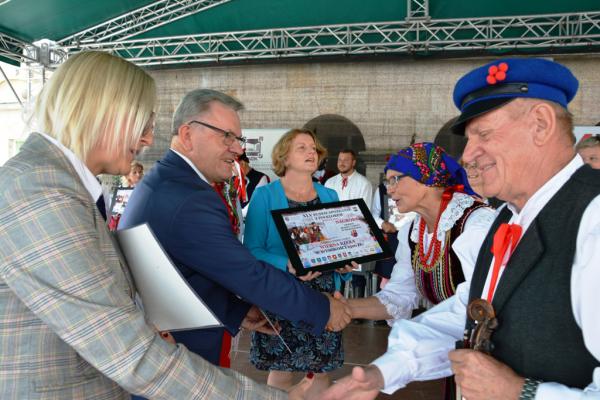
(69, 328)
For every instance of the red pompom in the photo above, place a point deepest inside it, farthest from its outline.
(503, 67)
(492, 70)
(500, 75)
(491, 80)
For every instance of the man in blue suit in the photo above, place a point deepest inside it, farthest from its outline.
(191, 222)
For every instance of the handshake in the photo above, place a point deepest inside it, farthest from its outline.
(340, 313)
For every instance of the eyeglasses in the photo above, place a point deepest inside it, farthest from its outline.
(228, 136)
(393, 181)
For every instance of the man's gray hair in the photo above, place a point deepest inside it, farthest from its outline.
(197, 102)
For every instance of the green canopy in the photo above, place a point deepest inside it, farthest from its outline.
(32, 20)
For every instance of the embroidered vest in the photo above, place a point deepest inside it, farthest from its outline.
(537, 335)
(441, 282)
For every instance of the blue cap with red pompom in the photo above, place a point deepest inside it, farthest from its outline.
(491, 86)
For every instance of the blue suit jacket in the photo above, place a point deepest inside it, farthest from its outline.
(261, 236)
(191, 223)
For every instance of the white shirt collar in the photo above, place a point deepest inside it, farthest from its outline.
(349, 176)
(534, 205)
(88, 179)
(191, 164)
(453, 212)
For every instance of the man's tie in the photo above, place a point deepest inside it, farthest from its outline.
(101, 206)
(506, 237)
(344, 182)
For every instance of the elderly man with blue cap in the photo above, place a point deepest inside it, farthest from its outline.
(537, 271)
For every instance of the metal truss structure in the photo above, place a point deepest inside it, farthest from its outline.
(43, 52)
(48, 54)
(15, 49)
(551, 32)
(140, 20)
(416, 9)
(417, 34)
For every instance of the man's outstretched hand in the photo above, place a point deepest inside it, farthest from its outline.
(362, 384)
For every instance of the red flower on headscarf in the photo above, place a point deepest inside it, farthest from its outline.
(497, 73)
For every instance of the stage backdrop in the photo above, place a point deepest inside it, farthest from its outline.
(259, 146)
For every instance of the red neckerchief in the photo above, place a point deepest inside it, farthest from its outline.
(506, 237)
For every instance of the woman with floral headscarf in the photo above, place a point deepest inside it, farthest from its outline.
(438, 250)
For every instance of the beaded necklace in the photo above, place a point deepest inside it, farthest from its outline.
(426, 261)
(437, 283)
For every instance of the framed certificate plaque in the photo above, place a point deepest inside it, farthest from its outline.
(327, 236)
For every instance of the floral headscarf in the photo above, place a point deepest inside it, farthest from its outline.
(432, 166)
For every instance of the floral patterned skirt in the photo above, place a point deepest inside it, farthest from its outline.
(316, 353)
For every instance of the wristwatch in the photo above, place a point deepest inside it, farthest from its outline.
(529, 389)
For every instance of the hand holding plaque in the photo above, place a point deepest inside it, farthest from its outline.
(329, 236)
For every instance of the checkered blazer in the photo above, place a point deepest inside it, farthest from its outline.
(69, 328)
